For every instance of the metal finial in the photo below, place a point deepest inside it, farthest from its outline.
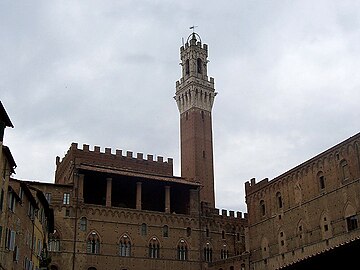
(193, 28)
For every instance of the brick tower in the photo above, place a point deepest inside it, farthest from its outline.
(195, 95)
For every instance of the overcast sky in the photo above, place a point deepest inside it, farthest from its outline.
(103, 73)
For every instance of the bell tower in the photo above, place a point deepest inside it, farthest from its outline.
(194, 96)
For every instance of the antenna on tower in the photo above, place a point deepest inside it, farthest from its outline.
(182, 40)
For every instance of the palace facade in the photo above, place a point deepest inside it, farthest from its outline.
(115, 209)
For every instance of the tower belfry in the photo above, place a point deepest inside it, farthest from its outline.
(194, 96)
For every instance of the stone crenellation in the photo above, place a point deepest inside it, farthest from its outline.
(123, 160)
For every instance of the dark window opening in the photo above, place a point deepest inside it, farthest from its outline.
(180, 199)
(322, 182)
(279, 199)
(352, 223)
(143, 229)
(188, 231)
(199, 65)
(166, 231)
(95, 188)
(153, 196)
(123, 192)
(262, 208)
(187, 67)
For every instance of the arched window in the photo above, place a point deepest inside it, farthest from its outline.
(208, 254)
(143, 229)
(262, 208)
(125, 246)
(182, 250)
(54, 241)
(279, 200)
(166, 231)
(93, 243)
(199, 65)
(345, 170)
(224, 253)
(188, 231)
(187, 67)
(83, 224)
(91, 268)
(154, 248)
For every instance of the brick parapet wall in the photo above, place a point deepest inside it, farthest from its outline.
(76, 156)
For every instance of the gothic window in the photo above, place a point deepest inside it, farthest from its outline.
(199, 65)
(262, 208)
(93, 243)
(207, 232)
(83, 224)
(345, 170)
(154, 248)
(223, 234)
(187, 67)
(54, 241)
(352, 223)
(143, 229)
(279, 200)
(166, 231)
(208, 254)
(125, 246)
(182, 251)
(224, 254)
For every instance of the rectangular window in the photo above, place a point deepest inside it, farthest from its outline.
(12, 202)
(66, 199)
(322, 182)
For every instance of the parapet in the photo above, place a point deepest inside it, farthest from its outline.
(252, 186)
(119, 159)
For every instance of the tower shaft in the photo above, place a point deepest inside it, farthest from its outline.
(195, 95)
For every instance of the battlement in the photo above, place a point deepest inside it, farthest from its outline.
(231, 214)
(124, 160)
(210, 82)
(197, 44)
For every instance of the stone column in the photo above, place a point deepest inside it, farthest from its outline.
(167, 199)
(138, 195)
(108, 191)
